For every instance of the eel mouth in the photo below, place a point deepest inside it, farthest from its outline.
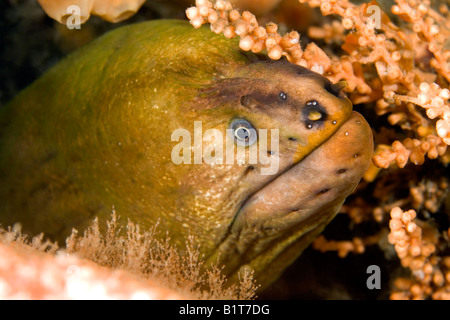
(276, 223)
(329, 174)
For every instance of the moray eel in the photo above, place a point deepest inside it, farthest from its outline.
(97, 131)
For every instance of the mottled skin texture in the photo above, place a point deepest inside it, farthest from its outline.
(95, 132)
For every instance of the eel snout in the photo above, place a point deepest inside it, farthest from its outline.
(316, 187)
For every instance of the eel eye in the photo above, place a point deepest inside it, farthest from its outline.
(244, 133)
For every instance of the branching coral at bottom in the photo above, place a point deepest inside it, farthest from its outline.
(417, 245)
(370, 226)
(420, 248)
(138, 265)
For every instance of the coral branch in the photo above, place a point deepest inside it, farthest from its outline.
(416, 245)
(413, 150)
(253, 37)
(343, 248)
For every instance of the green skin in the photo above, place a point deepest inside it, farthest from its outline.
(94, 133)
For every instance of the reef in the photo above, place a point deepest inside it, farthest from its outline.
(393, 60)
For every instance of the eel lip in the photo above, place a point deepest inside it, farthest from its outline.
(321, 180)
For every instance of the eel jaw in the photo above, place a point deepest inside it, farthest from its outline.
(279, 221)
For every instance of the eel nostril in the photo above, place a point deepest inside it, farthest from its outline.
(314, 114)
(244, 101)
(341, 171)
(249, 168)
(332, 88)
